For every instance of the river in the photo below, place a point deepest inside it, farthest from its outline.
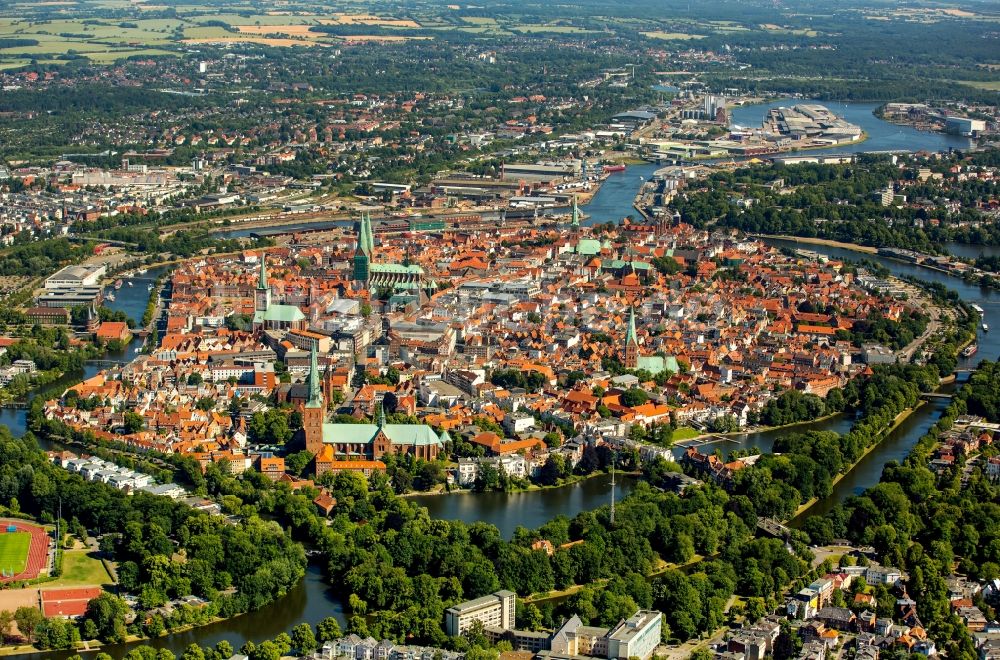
(530, 509)
(966, 251)
(312, 599)
(129, 299)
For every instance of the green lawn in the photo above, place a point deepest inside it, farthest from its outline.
(14, 551)
(685, 433)
(79, 568)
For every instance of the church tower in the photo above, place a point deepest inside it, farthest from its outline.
(262, 295)
(313, 412)
(631, 342)
(576, 214)
(365, 251)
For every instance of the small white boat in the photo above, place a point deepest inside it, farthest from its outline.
(986, 328)
(977, 308)
(130, 282)
(149, 287)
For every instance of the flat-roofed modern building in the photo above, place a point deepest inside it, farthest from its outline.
(75, 277)
(493, 611)
(638, 636)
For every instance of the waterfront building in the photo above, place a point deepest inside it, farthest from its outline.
(75, 277)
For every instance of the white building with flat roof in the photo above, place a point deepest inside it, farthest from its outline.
(493, 611)
(638, 636)
(75, 277)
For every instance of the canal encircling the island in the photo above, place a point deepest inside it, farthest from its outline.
(313, 599)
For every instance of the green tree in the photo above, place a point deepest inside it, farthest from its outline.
(193, 652)
(107, 611)
(28, 619)
(634, 397)
(133, 422)
(303, 639)
(6, 620)
(328, 629)
(755, 609)
(267, 650)
(297, 462)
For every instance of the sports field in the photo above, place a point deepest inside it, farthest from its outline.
(14, 551)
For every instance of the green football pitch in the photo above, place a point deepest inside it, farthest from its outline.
(14, 551)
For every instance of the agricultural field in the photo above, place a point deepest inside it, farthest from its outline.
(366, 19)
(107, 40)
(265, 41)
(778, 29)
(993, 85)
(99, 41)
(672, 36)
(14, 551)
(554, 28)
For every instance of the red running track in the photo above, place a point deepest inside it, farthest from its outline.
(38, 549)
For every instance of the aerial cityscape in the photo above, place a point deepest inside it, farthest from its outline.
(423, 331)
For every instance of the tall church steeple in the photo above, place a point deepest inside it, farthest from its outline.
(313, 411)
(631, 342)
(365, 249)
(576, 214)
(262, 296)
(315, 399)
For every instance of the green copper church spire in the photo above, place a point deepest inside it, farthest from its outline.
(576, 214)
(369, 237)
(262, 280)
(364, 251)
(315, 394)
(630, 336)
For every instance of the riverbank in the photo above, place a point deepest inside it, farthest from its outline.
(95, 645)
(783, 151)
(818, 241)
(708, 438)
(900, 418)
(869, 250)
